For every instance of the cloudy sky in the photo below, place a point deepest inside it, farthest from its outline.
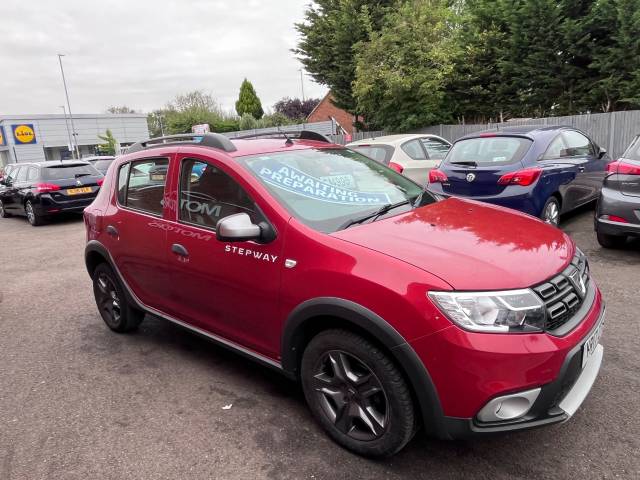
(142, 53)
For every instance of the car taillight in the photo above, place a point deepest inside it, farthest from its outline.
(437, 176)
(100, 181)
(521, 177)
(623, 167)
(396, 167)
(614, 218)
(46, 187)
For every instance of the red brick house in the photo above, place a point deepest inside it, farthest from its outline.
(326, 110)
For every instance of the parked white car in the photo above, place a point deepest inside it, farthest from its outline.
(413, 155)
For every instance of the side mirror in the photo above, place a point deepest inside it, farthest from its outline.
(237, 228)
(602, 152)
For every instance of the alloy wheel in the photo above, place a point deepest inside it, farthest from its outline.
(31, 216)
(351, 396)
(1, 209)
(552, 214)
(108, 300)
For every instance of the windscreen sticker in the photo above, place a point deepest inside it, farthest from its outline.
(296, 181)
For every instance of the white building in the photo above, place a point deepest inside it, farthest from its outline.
(35, 138)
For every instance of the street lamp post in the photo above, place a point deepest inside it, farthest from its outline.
(302, 84)
(64, 110)
(66, 92)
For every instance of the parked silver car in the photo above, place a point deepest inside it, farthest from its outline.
(413, 155)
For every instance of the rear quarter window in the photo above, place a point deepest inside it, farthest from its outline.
(379, 153)
(489, 151)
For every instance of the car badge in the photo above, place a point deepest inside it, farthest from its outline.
(78, 182)
(578, 282)
(471, 177)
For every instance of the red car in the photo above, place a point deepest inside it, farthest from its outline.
(393, 310)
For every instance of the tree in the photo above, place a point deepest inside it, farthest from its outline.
(194, 108)
(248, 101)
(402, 71)
(329, 33)
(294, 108)
(110, 145)
(122, 109)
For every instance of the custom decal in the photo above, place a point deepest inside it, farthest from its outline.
(247, 252)
(331, 189)
(181, 231)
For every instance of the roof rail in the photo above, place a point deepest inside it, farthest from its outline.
(301, 135)
(214, 140)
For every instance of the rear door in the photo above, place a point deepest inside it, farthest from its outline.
(474, 166)
(583, 154)
(20, 189)
(418, 166)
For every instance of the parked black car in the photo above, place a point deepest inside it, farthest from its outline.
(618, 213)
(101, 163)
(40, 190)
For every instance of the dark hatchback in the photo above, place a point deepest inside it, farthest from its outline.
(542, 171)
(41, 190)
(618, 213)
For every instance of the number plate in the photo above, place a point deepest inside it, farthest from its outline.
(592, 342)
(77, 191)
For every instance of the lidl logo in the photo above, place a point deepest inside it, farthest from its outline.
(24, 133)
(3, 142)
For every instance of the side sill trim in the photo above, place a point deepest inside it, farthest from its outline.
(94, 245)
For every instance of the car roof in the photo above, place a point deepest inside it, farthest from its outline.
(530, 131)
(391, 139)
(98, 157)
(52, 163)
(257, 146)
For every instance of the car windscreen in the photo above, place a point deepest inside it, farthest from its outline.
(65, 172)
(488, 151)
(380, 153)
(326, 188)
(633, 152)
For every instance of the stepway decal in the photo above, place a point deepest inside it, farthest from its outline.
(245, 252)
(293, 180)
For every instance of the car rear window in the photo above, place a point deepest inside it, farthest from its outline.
(487, 151)
(633, 152)
(65, 172)
(102, 164)
(380, 153)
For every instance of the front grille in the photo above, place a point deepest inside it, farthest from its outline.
(563, 294)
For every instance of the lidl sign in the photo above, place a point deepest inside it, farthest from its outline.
(24, 134)
(3, 141)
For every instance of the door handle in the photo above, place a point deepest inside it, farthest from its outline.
(179, 250)
(113, 231)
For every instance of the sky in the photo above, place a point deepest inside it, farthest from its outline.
(142, 53)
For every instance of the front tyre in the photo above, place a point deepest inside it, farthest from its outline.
(357, 394)
(551, 212)
(112, 303)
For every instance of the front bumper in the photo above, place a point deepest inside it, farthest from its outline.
(470, 369)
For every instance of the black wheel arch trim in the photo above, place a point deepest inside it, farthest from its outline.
(293, 341)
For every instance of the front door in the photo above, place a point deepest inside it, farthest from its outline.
(229, 289)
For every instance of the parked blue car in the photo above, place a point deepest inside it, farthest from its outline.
(543, 171)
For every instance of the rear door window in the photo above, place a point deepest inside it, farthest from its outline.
(32, 174)
(22, 174)
(436, 149)
(145, 185)
(414, 150)
(489, 151)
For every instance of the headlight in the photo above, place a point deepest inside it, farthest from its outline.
(500, 312)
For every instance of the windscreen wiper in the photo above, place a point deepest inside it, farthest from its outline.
(381, 211)
(78, 175)
(470, 163)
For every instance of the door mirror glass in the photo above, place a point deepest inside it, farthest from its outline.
(602, 152)
(237, 228)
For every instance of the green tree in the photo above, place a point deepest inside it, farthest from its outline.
(248, 101)
(329, 33)
(121, 109)
(110, 145)
(194, 108)
(403, 70)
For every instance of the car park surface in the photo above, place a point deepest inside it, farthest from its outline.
(78, 402)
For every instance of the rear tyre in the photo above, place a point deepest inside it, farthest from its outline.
(33, 217)
(112, 303)
(551, 212)
(357, 394)
(3, 213)
(611, 241)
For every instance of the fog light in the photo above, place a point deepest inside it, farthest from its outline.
(508, 407)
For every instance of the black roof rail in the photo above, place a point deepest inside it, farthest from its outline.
(214, 140)
(301, 135)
